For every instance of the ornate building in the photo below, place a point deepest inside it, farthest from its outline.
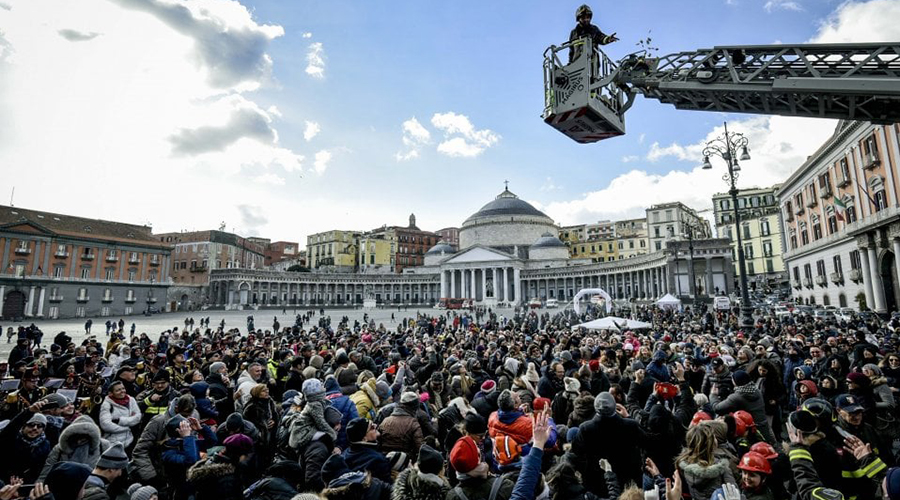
(509, 252)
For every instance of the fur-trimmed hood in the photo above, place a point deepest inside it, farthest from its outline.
(695, 473)
(210, 469)
(83, 426)
(369, 389)
(412, 484)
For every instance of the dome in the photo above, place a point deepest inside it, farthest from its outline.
(506, 204)
(547, 240)
(442, 247)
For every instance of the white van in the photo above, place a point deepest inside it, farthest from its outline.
(722, 303)
(551, 303)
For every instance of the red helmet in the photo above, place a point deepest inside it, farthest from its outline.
(743, 421)
(700, 416)
(764, 449)
(754, 462)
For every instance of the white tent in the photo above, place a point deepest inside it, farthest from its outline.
(669, 301)
(614, 323)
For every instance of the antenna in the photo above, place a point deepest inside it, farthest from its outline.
(11, 195)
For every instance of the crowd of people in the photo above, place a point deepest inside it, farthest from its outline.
(457, 406)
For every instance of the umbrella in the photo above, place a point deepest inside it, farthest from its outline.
(614, 323)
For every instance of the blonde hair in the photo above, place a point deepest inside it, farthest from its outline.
(700, 446)
(632, 493)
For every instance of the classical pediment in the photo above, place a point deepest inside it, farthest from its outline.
(478, 254)
(26, 227)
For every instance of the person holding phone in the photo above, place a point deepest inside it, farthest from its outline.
(25, 445)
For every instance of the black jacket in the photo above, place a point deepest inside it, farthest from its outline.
(619, 440)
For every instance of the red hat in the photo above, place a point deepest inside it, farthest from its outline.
(765, 449)
(239, 444)
(465, 455)
(754, 462)
(700, 416)
(488, 386)
(742, 422)
(594, 365)
(540, 403)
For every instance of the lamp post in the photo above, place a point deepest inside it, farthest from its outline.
(726, 147)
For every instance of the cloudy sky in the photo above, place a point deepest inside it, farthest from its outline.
(284, 118)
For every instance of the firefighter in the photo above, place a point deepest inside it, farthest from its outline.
(583, 16)
(755, 473)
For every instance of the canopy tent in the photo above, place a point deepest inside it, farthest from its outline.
(669, 301)
(592, 291)
(614, 323)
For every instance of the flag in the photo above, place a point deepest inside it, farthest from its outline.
(839, 208)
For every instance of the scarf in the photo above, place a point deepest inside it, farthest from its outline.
(746, 389)
(123, 402)
(32, 444)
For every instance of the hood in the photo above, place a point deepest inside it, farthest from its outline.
(331, 385)
(807, 371)
(698, 473)
(813, 390)
(82, 427)
(198, 390)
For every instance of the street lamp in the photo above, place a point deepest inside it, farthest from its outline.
(726, 147)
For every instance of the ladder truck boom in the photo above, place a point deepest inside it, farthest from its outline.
(587, 98)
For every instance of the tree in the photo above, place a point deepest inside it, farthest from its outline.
(297, 268)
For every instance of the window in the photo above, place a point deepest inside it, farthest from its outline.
(656, 232)
(85, 273)
(748, 251)
(746, 230)
(764, 229)
(770, 266)
(811, 201)
(832, 224)
(820, 268)
(767, 248)
(58, 271)
(817, 231)
(131, 274)
(643, 244)
(836, 262)
(807, 271)
(110, 274)
(82, 293)
(79, 312)
(668, 215)
(855, 260)
(870, 146)
(788, 211)
(631, 243)
(796, 274)
(61, 250)
(750, 269)
(844, 169)
(798, 200)
(825, 184)
(658, 246)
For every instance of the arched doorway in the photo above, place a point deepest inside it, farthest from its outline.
(14, 305)
(889, 281)
(185, 303)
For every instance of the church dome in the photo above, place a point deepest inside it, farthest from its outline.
(441, 248)
(547, 240)
(507, 224)
(505, 204)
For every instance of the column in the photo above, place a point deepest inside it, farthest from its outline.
(472, 294)
(443, 283)
(29, 306)
(896, 243)
(517, 286)
(2, 296)
(877, 289)
(710, 284)
(452, 283)
(495, 283)
(867, 279)
(40, 311)
(483, 283)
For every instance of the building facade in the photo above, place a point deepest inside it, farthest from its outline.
(377, 252)
(335, 250)
(411, 244)
(280, 251)
(62, 266)
(498, 262)
(449, 235)
(197, 253)
(674, 222)
(760, 234)
(631, 238)
(841, 220)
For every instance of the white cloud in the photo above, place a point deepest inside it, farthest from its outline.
(549, 185)
(323, 158)
(311, 130)
(252, 219)
(315, 60)
(678, 151)
(307, 35)
(77, 36)
(270, 179)
(460, 136)
(773, 5)
(872, 21)
(415, 136)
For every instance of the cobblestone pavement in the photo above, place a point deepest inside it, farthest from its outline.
(156, 323)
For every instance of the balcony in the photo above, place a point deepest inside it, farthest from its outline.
(822, 280)
(154, 262)
(151, 300)
(87, 256)
(812, 202)
(199, 269)
(130, 300)
(826, 193)
(112, 258)
(843, 182)
(23, 250)
(799, 210)
(61, 255)
(55, 298)
(134, 260)
(108, 298)
(797, 284)
(871, 160)
(808, 282)
(82, 298)
(855, 275)
(837, 277)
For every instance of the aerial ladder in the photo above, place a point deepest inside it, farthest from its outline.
(587, 98)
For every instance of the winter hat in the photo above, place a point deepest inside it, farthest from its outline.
(740, 378)
(313, 387)
(804, 421)
(465, 455)
(531, 374)
(628, 347)
(138, 492)
(540, 403)
(357, 429)
(605, 404)
(873, 368)
(54, 401)
(594, 365)
(238, 444)
(892, 483)
(234, 422)
(475, 424)
(572, 384)
(506, 402)
(317, 362)
(488, 386)
(382, 390)
(333, 416)
(334, 468)
(113, 458)
(638, 365)
(257, 390)
(309, 373)
(511, 365)
(565, 356)
(345, 376)
(39, 419)
(399, 460)
(409, 397)
(66, 479)
(430, 460)
(859, 379)
(215, 367)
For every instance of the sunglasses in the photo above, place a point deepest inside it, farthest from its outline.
(35, 425)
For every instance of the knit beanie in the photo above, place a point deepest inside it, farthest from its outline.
(309, 373)
(138, 492)
(215, 367)
(333, 416)
(572, 384)
(465, 456)
(113, 458)
(38, 418)
(892, 483)
(488, 386)
(475, 424)
(409, 397)
(238, 444)
(430, 460)
(313, 387)
(506, 402)
(357, 429)
(65, 479)
(234, 422)
(605, 404)
(399, 460)
(740, 378)
(531, 374)
(382, 390)
(334, 468)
